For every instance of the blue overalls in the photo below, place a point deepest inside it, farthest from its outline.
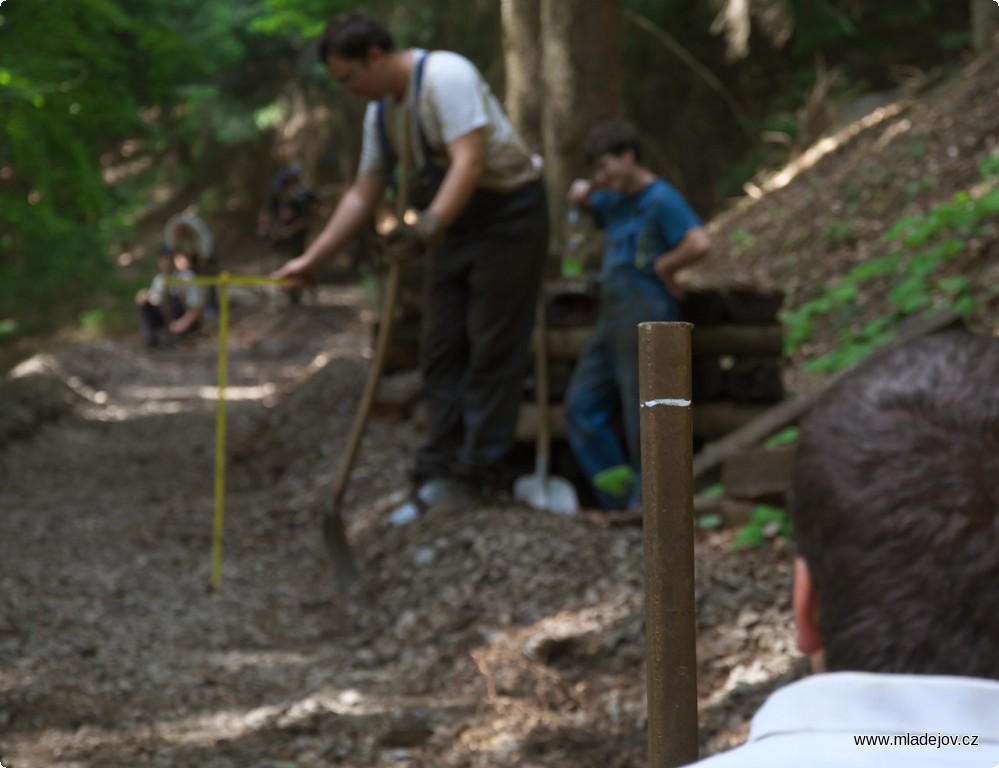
(604, 383)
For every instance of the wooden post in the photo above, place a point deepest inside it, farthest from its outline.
(668, 530)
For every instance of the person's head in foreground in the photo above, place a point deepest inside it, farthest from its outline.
(895, 502)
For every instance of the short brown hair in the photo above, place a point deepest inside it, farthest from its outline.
(611, 137)
(895, 501)
(352, 35)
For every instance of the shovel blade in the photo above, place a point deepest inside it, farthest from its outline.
(345, 570)
(554, 494)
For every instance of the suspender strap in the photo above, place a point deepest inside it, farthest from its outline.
(390, 158)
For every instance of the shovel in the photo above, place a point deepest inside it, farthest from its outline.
(341, 554)
(345, 571)
(543, 490)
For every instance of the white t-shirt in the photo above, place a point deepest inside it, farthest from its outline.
(158, 289)
(454, 100)
(192, 295)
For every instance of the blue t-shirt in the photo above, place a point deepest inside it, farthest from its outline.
(641, 227)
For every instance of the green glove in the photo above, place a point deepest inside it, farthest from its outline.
(615, 481)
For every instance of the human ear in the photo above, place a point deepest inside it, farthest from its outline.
(806, 610)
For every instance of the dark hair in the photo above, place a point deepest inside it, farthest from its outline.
(895, 501)
(611, 137)
(351, 36)
(286, 175)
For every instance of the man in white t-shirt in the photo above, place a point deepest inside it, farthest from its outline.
(482, 230)
(896, 585)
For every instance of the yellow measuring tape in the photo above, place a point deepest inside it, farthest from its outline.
(223, 281)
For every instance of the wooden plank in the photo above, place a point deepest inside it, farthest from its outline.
(759, 474)
(748, 305)
(736, 304)
(738, 340)
(790, 411)
(754, 380)
(753, 432)
(567, 344)
(714, 420)
(707, 379)
(734, 513)
(711, 420)
(527, 422)
(703, 307)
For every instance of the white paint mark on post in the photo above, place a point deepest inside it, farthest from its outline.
(670, 401)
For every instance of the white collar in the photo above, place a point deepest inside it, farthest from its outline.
(863, 702)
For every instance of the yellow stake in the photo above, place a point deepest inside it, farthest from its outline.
(223, 281)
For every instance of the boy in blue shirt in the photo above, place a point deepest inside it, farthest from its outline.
(651, 234)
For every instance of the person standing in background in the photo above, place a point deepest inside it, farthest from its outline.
(651, 234)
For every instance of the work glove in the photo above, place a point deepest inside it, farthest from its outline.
(410, 241)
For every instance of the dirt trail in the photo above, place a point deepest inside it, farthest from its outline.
(493, 637)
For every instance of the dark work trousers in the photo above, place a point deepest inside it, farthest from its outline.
(151, 319)
(480, 291)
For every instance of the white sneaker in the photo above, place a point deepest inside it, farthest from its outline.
(437, 491)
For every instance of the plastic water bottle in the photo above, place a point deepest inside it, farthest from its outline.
(575, 237)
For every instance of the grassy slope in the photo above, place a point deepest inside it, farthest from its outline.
(827, 212)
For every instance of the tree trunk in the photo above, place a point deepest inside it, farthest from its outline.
(581, 68)
(522, 63)
(984, 24)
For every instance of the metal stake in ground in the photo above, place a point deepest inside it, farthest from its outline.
(668, 531)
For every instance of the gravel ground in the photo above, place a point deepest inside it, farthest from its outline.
(479, 637)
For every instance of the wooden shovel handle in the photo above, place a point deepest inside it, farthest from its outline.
(541, 393)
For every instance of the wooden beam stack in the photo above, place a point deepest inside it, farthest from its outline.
(737, 344)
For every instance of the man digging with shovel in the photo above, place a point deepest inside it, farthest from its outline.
(482, 230)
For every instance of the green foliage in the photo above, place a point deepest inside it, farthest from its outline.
(921, 244)
(423, 24)
(709, 521)
(80, 77)
(9, 329)
(742, 241)
(839, 233)
(765, 523)
(94, 320)
(713, 491)
(819, 24)
(306, 18)
(70, 91)
(784, 437)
